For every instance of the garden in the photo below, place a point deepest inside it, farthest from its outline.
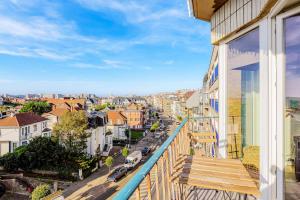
(47, 154)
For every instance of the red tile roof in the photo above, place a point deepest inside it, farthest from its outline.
(21, 119)
(114, 116)
(58, 112)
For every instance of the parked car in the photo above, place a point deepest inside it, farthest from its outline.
(145, 151)
(117, 174)
(133, 159)
(157, 135)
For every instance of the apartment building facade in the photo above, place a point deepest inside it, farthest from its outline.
(100, 139)
(135, 115)
(258, 64)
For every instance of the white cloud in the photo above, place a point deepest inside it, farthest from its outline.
(134, 11)
(169, 62)
(107, 64)
(52, 37)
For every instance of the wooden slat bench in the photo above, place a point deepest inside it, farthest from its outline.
(224, 175)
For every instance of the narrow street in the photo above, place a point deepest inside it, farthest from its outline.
(96, 186)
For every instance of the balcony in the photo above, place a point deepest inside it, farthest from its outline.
(186, 167)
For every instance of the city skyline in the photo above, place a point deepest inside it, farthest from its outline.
(115, 47)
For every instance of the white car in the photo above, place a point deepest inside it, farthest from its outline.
(133, 159)
(157, 135)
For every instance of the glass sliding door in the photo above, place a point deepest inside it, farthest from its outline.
(292, 107)
(243, 99)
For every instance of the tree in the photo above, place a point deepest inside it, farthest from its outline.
(72, 130)
(40, 191)
(179, 118)
(37, 107)
(3, 108)
(109, 161)
(103, 106)
(192, 152)
(100, 107)
(154, 127)
(125, 152)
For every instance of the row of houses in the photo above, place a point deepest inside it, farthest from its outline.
(172, 104)
(105, 126)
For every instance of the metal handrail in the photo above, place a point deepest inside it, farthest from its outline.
(133, 184)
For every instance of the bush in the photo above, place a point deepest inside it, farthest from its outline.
(66, 174)
(44, 154)
(87, 165)
(40, 192)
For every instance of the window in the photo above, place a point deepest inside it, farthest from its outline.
(35, 128)
(243, 94)
(292, 106)
(14, 146)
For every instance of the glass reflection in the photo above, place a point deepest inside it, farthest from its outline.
(292, 108)
(243, 99)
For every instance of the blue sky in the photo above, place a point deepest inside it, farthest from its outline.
(101, 46)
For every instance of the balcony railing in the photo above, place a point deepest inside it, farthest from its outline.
(153, 180)
(186, 167)
(155, 175)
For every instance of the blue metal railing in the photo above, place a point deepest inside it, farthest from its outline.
(127, 191)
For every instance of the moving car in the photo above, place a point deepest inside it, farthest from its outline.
(145, 151)
(117, 174)
(133, 159)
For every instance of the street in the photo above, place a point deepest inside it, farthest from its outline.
(96, 186)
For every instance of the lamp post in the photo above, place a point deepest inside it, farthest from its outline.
(129, 132)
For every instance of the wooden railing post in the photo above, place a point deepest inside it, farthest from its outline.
(156, 181)
(168, 169)
(173, 154)
(163, 176)
(180, 143)
(138, 193)
(149, 186)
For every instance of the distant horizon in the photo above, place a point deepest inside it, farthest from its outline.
(98, 95)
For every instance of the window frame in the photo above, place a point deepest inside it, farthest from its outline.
(280, 97)
(263, 26)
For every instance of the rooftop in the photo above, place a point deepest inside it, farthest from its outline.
(21, 119)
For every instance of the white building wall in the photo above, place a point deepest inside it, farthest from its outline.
(118, 131)
(233, 15)
(8, 135)
(97, 138)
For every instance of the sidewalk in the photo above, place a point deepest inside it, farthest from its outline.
(95, 185)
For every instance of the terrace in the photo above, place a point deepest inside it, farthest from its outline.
(187, 166)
